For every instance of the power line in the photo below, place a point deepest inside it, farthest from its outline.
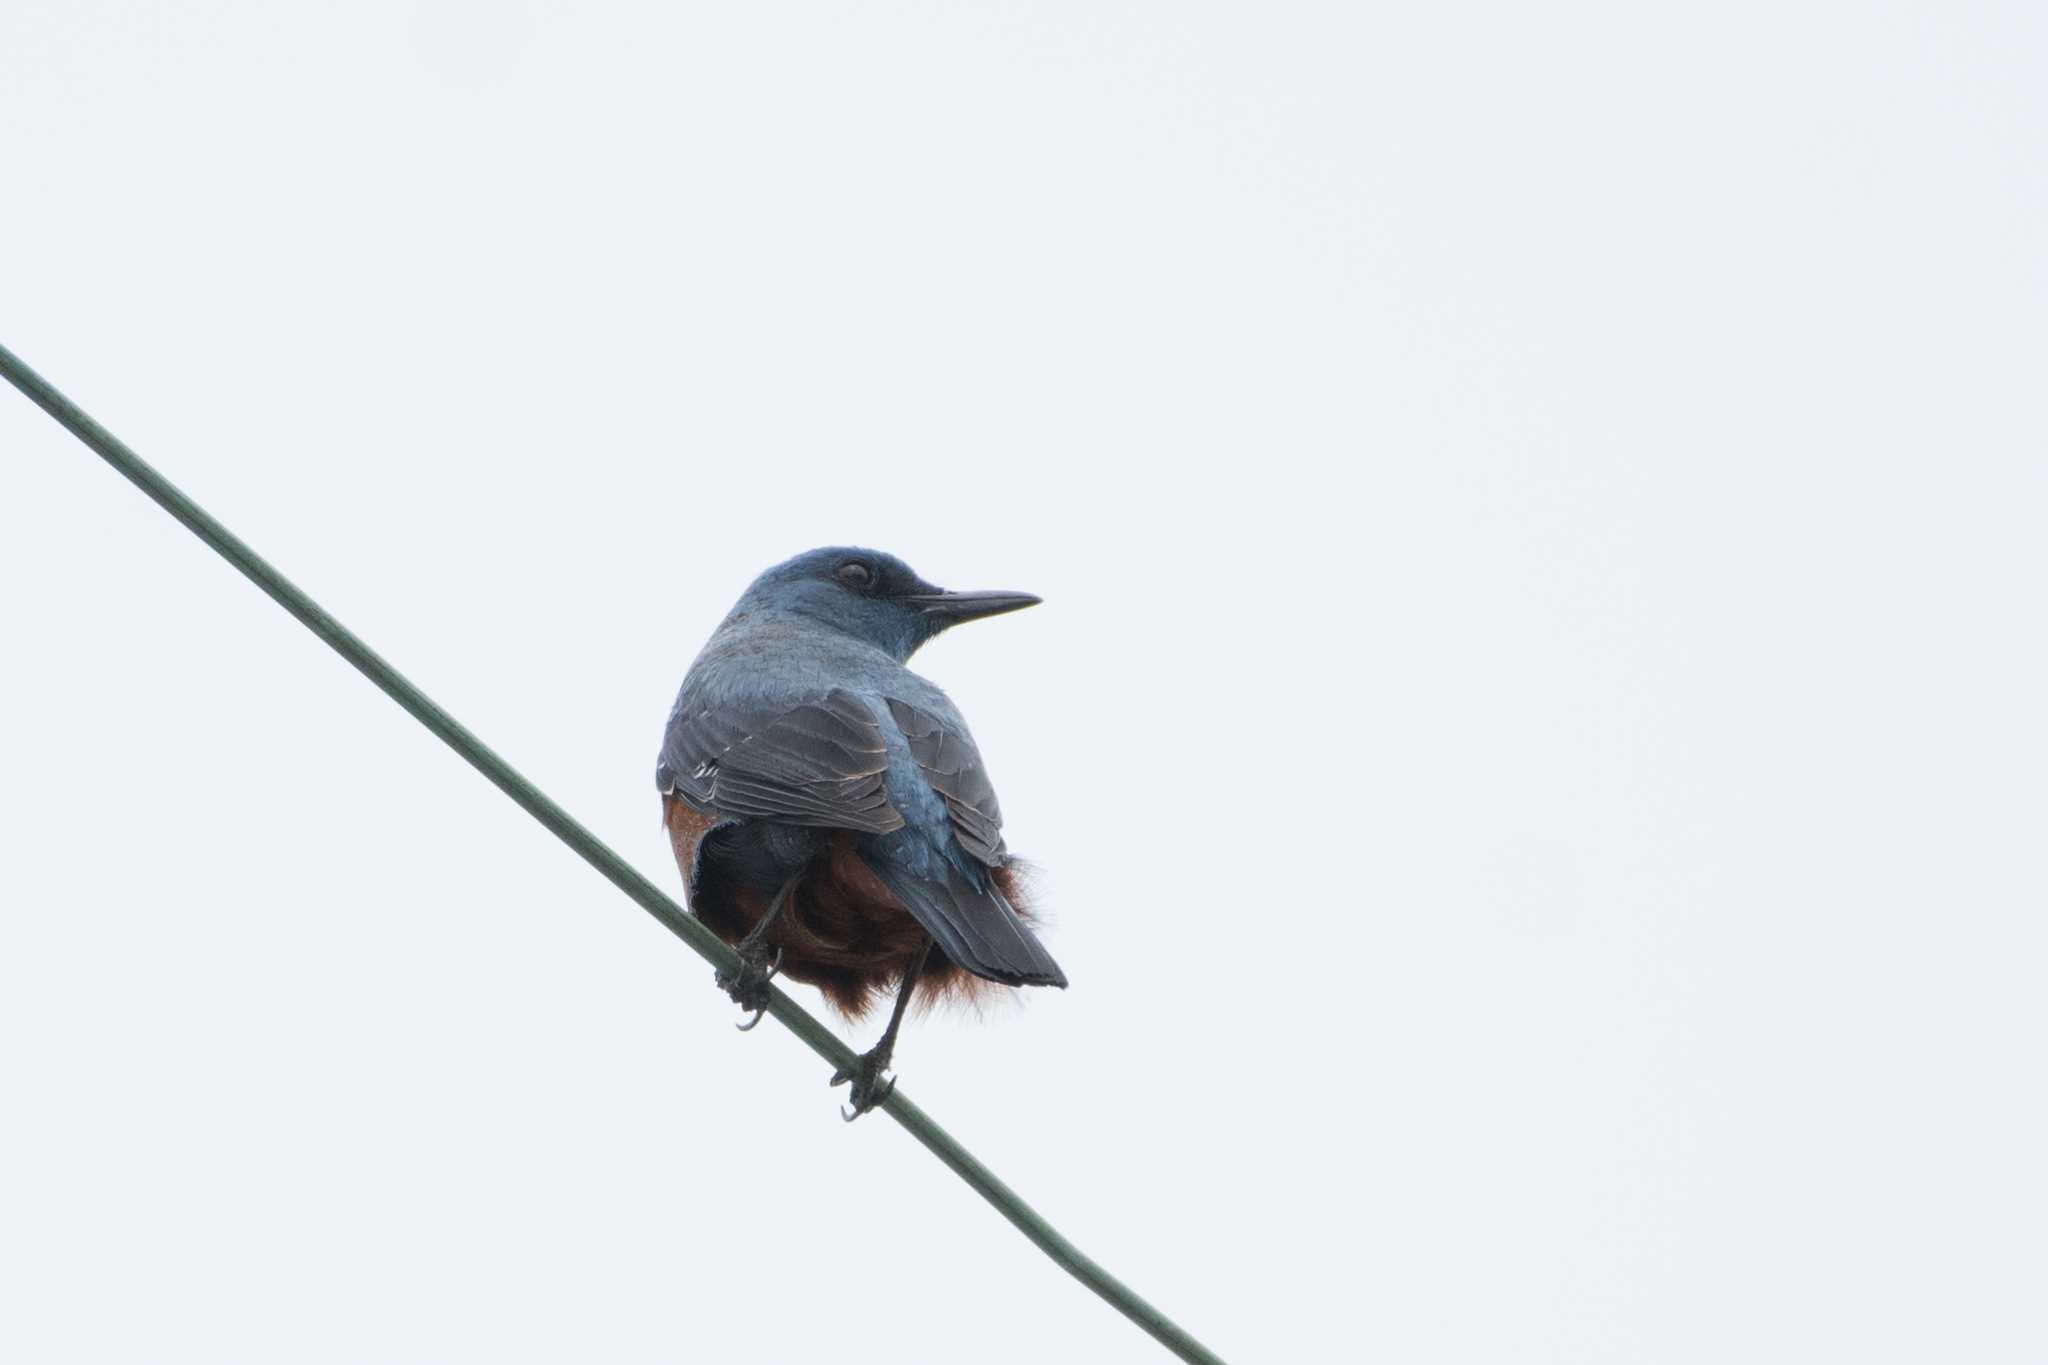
(590, 848)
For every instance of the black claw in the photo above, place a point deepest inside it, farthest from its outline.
(748, 986)
(871, 1088)
(747, 983)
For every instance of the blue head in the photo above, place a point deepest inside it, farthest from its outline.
(871, 596)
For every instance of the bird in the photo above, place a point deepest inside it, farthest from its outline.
(828, 809)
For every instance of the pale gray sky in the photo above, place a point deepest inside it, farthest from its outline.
(1534, 735)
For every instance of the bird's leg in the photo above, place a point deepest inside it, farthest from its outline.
(869, 1088)
(749, 985)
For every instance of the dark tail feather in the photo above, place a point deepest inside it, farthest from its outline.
(975, 928)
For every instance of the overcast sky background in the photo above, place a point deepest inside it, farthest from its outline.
(1535, 734)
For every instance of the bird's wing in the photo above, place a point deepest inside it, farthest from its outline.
(964, 908)
(952, 767)
(816, 760)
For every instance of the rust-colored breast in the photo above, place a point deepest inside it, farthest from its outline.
(686, 829)
(842, 931)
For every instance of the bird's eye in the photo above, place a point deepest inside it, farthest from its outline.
(856, 575)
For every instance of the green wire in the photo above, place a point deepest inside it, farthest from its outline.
(590, 848)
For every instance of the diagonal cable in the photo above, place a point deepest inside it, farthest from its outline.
(590, 848)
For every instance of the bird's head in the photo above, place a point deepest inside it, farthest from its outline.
(871, 596)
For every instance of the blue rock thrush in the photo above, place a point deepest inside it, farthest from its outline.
(829, 812)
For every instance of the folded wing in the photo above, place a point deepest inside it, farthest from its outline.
(960, 905)
(804, 761)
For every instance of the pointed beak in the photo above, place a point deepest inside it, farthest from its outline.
(955, 607)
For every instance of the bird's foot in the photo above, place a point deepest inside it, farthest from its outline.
(748, 987)
(870, 1086)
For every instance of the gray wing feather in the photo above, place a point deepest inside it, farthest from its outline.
(952, 767)
(810, 761)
